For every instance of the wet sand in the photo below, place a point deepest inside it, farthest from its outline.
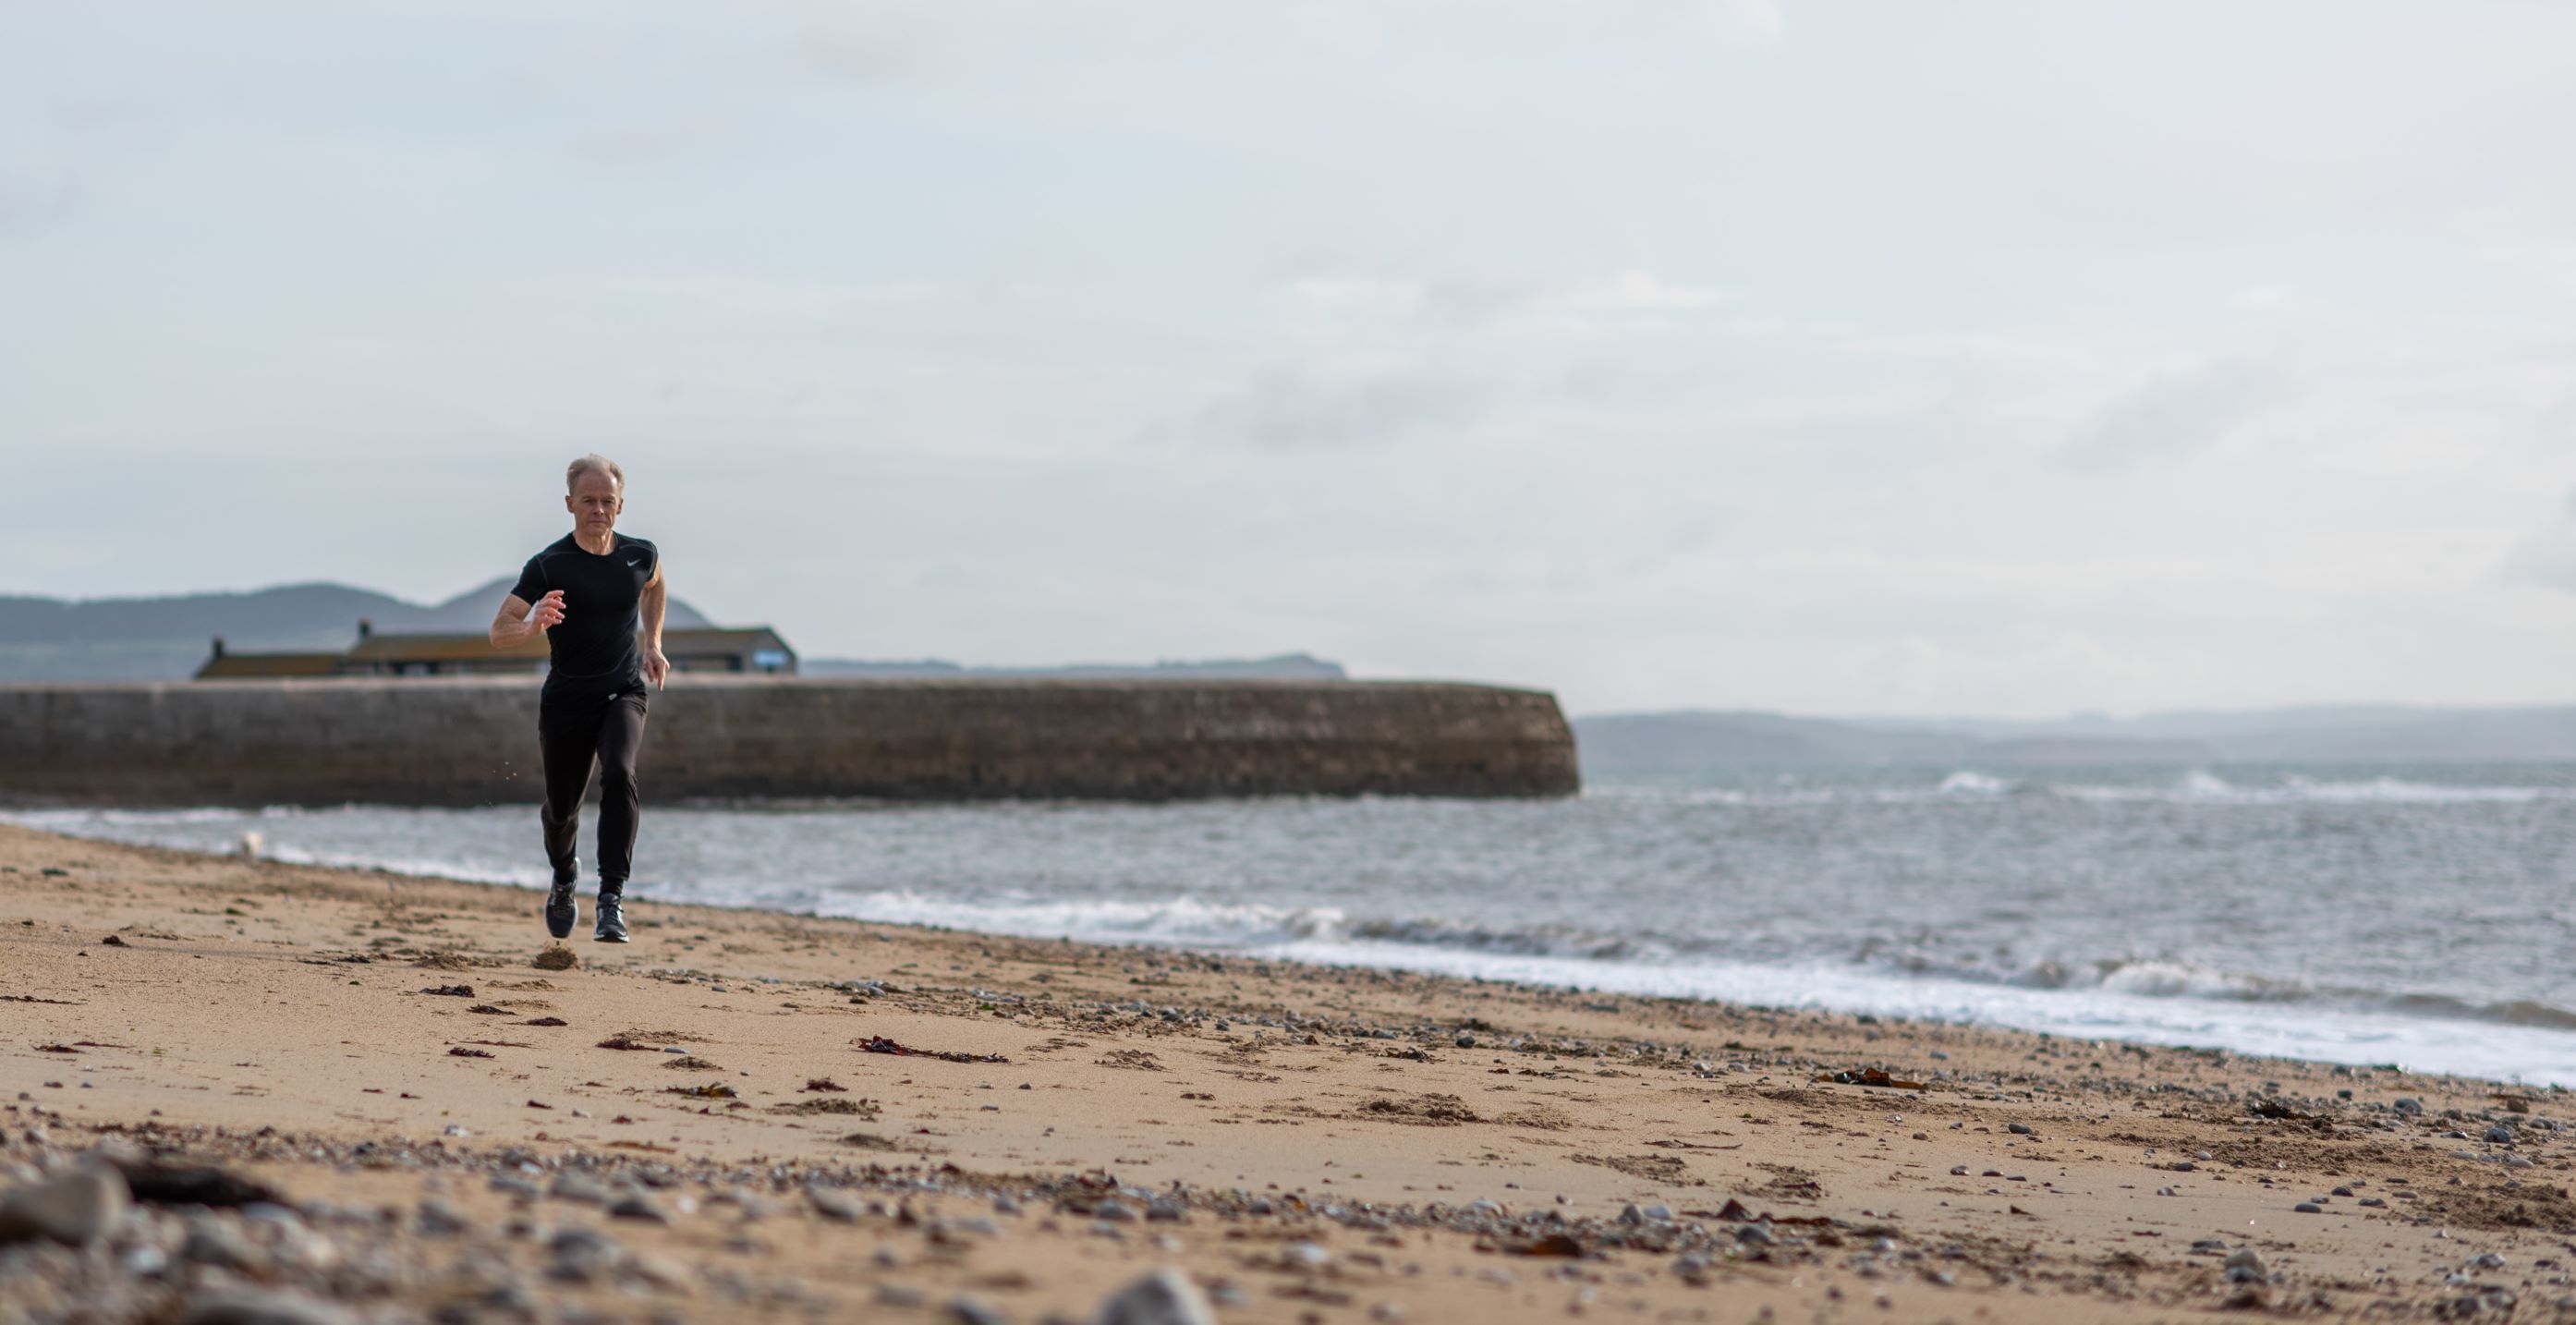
(747, 1115)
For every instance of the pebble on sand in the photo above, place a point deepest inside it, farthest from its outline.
(1165, 1297)
(75, 1209)
(256, 1307)
(833, 1205)
(638, 1208)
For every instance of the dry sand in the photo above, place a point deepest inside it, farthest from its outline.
(1306, 1144)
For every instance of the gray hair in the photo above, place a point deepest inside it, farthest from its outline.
(594, 463)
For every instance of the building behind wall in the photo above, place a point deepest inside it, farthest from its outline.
(750, 650)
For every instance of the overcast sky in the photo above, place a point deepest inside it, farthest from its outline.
(1894, 358)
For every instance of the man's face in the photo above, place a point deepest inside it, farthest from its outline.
(594, 503)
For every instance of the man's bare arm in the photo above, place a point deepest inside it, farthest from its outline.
(519, 621)
(657, 598)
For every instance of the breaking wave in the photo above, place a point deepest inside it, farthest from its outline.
(2203, 787)
(1572, 955)
(2195, 787)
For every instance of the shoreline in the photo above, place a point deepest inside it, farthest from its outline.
(2353, 1028)
(1328, 1142)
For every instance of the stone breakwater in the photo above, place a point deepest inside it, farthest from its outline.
(472, 741)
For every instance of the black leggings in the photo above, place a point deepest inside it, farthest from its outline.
(573, 733)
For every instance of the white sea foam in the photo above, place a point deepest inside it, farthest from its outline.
(2400, 791)
(2159, 977)
(1177, 920)
(74, 821)
(2148, 1002)
(2327, 1034)
(2195, 787)
(430, 867)
(2203, 787)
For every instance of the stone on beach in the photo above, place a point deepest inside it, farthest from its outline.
(582, 1255)
(155, 1181)
(1164, 1297)
(257, 1307)
(438, 1219)
(75, 1209)
(210, 1241)
(578, 1188)
(837, 1206)
(640, 1208)
(975, 1311)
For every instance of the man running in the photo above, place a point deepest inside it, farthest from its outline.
(583, 593)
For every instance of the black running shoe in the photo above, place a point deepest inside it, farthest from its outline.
(561, 911)
(612, 921)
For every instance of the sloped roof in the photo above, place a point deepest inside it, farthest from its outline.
(385, 647)
(382, 647)
(224, 665)
(734, 639)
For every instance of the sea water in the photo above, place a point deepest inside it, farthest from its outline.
(2416, 916)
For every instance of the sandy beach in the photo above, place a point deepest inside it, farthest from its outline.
(418, 1114)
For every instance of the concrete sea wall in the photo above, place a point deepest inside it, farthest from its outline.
(472, 741)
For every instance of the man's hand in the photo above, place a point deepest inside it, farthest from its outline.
(657, 669)
(519, 621)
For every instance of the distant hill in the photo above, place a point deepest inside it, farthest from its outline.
(1283, 667)
(164, 639)
(1688, 742)
(2354, 733)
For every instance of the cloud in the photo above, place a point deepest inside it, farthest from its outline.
(36, 200)
(770, 301)
(2174, 414)
(643, 144)
(1474, 302)
(882, 41)
(101, 112)
(1292, 411)
(1635, 291)
(857, 55)
(2548, 557)
(1454, 302)
(895, 40)
(2263, 298)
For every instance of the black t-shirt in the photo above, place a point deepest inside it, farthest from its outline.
(594, 648)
